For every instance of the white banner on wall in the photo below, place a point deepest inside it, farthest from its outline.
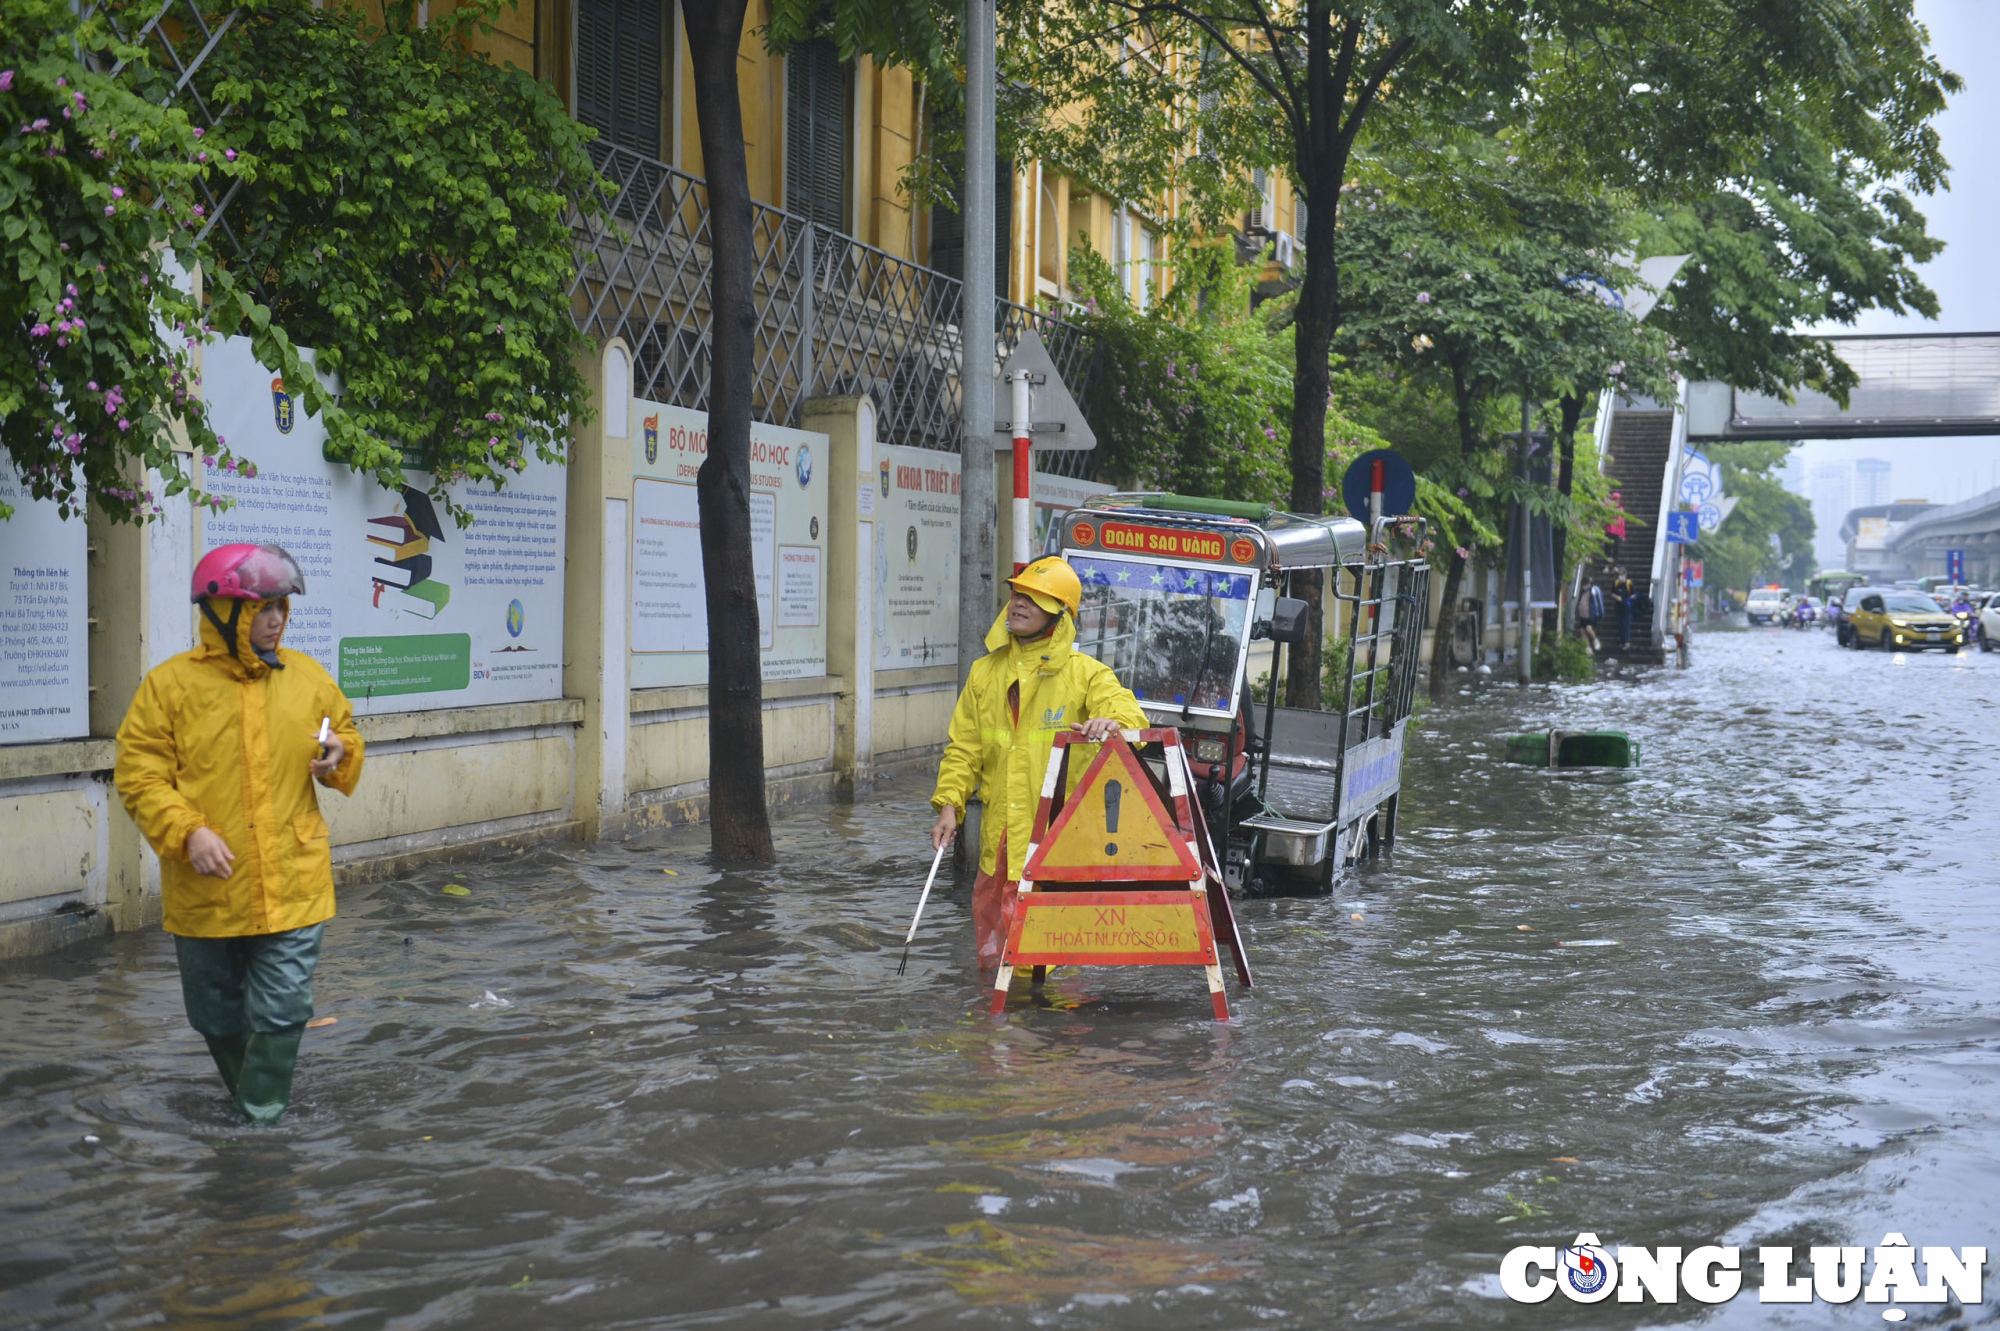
(1057, 495)
(787, 547)
(405, 608)
(44, 620)
(916, 558)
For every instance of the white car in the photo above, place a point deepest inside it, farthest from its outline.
(1768, 605)
(1989, 624)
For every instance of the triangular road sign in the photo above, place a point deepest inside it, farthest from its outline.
(1058, 424)
(1113, 829)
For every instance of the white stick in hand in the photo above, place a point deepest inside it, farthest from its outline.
(325, 725)
(936, 860)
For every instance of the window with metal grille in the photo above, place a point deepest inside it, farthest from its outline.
(948, 228)
(620, 49)
(817, 155)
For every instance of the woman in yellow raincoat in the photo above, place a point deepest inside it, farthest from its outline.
(216, 763)
(1031, 685)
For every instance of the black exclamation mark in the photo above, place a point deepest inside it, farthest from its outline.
(1112, 791)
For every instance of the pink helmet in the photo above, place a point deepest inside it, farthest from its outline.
(247, 573)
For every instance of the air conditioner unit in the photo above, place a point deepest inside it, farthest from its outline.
(1284, 248)
(1258, 221)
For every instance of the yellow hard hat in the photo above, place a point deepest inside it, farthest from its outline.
(1051, 584)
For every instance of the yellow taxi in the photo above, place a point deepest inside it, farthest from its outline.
(1900, 621)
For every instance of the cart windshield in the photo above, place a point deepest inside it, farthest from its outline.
(1175, 634)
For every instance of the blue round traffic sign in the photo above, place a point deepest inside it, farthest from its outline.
(1399, 484)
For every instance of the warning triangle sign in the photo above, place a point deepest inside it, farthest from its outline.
(1113, 829)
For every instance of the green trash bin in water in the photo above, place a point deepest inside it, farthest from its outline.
(1574, 748)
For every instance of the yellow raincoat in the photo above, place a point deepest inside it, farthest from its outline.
(1003, 761)
(225, 742)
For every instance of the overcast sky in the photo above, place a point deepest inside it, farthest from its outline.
(1966, 277)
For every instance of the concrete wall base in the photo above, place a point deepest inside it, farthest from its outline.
(376, 861)
(50, 933)
(686, 806)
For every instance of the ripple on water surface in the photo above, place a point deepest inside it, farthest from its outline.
(1745, 993)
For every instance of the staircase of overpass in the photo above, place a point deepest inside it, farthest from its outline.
(1639, 451)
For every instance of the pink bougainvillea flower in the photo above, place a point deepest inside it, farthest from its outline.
(6, 80)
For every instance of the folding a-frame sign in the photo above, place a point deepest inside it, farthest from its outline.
(1121, 872)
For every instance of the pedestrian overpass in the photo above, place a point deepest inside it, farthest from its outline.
(1912, 386)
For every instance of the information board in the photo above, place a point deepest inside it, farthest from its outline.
(787, 547)
(44, 620)
(404, 607)
(916, 558)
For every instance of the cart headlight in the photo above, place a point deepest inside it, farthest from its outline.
(1210, 749)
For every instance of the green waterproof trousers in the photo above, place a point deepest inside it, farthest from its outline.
(250, 998)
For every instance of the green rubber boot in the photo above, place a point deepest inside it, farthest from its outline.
(227, 1051)
(264, 1088)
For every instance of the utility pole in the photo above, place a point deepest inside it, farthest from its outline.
(976, 512)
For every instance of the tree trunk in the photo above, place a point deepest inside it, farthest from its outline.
(1572, 416)
(1322, 165)
(1447, 629)
(739, 823)
(1445, 637)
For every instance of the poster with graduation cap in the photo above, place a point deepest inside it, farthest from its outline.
(406, 609)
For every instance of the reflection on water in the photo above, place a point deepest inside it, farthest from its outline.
(1744, 994)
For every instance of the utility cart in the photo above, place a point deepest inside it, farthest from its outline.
(1177, 592)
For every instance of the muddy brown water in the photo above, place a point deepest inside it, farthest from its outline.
(1749, 993)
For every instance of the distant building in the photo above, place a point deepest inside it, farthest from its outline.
(1871, 482)
(1971, 526)
(1869, 535)
(1832, 494)
(1793, 477)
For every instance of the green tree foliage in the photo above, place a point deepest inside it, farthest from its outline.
(406, 209)
(94, 180)
(1738, 554)
(1809, 239)
(1191, 395)
(1676, 101)
(1498, 306)
(1564, 658)
(403, 204)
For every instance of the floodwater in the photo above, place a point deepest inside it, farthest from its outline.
(1748, 994)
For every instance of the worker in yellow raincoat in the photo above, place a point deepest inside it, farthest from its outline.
(216, 763)
(1031, 685)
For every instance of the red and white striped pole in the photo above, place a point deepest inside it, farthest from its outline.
(1024, 472)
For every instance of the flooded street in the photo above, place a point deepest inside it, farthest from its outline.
(1749, 993)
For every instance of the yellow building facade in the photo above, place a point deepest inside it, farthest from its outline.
(866, 125)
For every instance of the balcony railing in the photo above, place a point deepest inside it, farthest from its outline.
(834, 316)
